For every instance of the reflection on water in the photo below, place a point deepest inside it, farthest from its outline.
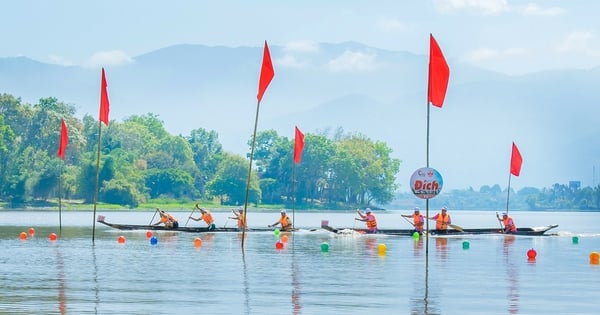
(72, 276)
(512, 275)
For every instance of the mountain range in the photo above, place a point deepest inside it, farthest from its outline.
(552, 116)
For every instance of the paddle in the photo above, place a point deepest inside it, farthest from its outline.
(500, 222)
(155, 211)
(454, 226)
(188, 220)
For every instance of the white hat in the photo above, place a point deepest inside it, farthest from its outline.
(444, 208)
(283, 211)
(240, 209)
(417, 209)
(368, 210)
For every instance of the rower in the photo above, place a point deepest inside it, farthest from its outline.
(207, 217)
(284, 221)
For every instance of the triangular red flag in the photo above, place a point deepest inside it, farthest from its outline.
(104, 106)
(439, 73)
(266, 73)
(64, 140)
(515, 161)
(298, 146)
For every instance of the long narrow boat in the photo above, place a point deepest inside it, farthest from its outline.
(101, 219)
(533, 231)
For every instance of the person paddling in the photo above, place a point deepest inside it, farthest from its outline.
(370, 220)
(167, 219)
(207, 217)
(240, 216)
(284, 221)
(442, 220)
(418, 220)
(509, 224)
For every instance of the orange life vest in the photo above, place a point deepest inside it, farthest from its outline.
(285, 222)
(418, 221)
(509, 224)
(371, 222)
(241, 220)
(207, 217)
(442, 221)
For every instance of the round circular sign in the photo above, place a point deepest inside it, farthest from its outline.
(426, 183)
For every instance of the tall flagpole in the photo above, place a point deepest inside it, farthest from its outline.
(249, 174)
(97, 180)
(266, 75)
(508, 191)
(59, 200)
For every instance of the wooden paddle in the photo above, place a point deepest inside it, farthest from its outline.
(500, 222)
(188, 220)
(456, 227)
(155, 211)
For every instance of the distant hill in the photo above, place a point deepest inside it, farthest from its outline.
(554, 116)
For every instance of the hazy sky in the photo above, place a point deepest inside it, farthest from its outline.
(508, 36)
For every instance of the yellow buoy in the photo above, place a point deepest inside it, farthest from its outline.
(381, 249)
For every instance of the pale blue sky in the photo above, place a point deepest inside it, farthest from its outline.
(502, 35)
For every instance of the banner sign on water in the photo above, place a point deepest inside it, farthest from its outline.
(426, 183)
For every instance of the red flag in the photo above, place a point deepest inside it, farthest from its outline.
(266, 73)
(104, 107)
(438, 74)
(64, 140)
(298, 146)
(515, 161)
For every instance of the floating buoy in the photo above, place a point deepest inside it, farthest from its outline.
(381, 249)
(277, 232)
(594, 258)
(23, 236)
(416, 236)
(279, 245)
(153, 240)
(31, 231)
(121, 239)
(324, 247)
(197, 242)
(575, 240)
(531, 254)
(52, 236)
(149, 234)
(465, 244)
(284, 238)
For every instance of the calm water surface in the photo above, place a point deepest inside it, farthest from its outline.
(492, 276)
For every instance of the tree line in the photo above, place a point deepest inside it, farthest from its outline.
(140, 161)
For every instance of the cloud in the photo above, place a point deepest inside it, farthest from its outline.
(289, 61)
(579, 43)
(59, 60)
(353, 61)
(487, 54)
(534, 9)
(113, 57)
(301, 46)
(486, 7)
(391, 25)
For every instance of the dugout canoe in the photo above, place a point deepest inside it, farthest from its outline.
(101, 219)
(532, 231)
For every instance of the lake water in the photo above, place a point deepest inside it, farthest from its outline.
(435, 276)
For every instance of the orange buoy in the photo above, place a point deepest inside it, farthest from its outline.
(197, 242)
(284, 238)
(31, 231)
(23, 236)
(149, 234)
(121, 239)
(594, 258)
(52, 236)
